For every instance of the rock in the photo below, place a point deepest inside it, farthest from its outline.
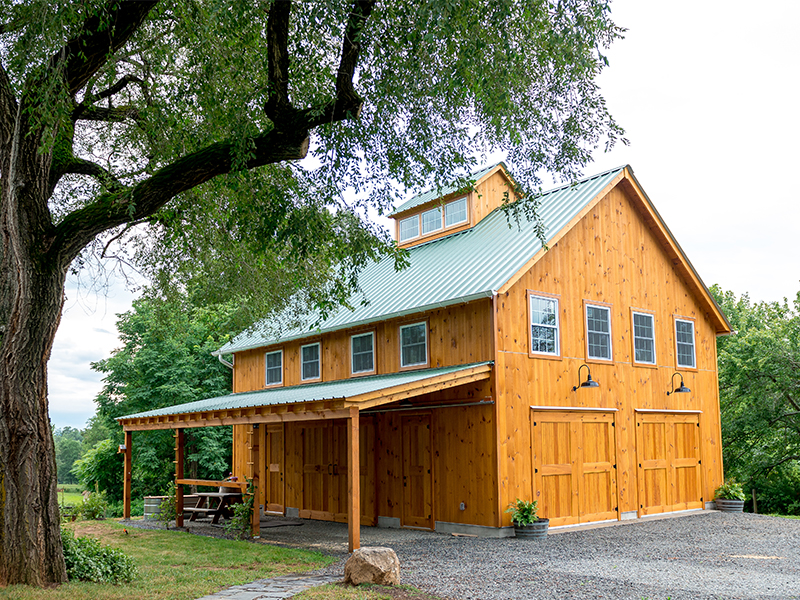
(372, 565)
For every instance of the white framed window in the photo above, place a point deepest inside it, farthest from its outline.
(274, 367)
(362, 353)
(544, 325)
(598, 332)
(431, 220)
(409, 228)
(684, 343)
(644, 338)
(455, 212)
(414, 344)
(310, 362)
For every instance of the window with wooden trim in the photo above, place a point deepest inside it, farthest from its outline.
(455, 212)
(309, 362)
(644, 338)
(544, 325)
(598, 332)
(431, 220)
(413, 344)
(684, 343)
(409, 228)
(362, 353)
(274, 367)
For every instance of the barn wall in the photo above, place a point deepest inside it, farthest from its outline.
(610, 256)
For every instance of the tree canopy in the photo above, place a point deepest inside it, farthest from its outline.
(167, 134)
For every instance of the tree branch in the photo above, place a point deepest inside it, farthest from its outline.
(80, 166)
(109, 115)
(101, 36)
(8, 113)
(114, 89)
(278, 104)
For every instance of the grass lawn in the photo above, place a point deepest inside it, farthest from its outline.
(175, 565)
(69, 494)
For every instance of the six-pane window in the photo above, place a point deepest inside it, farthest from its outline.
(455, 212)
(544, 325)
(309, 358)
(409, 228)
(644, 338)
(431, 220)
(274, 362)
(598, 330)
(413, 345)
(684, 341)
(362, 353)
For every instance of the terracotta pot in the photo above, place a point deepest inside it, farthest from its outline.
(729, 505)
(534, 530)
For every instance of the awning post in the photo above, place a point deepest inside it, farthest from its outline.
(127, 475)
(353, 482)
(179, 444)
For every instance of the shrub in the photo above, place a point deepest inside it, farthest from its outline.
(523, 512)
(94, 506)
(88, 560)
(168, 507)
(730, 490)
(240, 524)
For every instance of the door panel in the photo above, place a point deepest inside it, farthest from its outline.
(274, 466)
(417, 472)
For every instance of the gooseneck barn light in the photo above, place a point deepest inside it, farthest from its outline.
(589, 383)
(681, 389)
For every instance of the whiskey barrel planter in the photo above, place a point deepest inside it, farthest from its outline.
(534, 530)
(729, 505)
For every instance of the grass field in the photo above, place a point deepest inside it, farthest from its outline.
(175, 565)
(69, 494)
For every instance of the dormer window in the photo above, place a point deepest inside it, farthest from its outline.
(409, 228)
(455, 212)
(431, 220)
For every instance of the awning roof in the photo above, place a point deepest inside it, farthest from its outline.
(326, 400)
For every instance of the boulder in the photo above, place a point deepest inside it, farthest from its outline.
(372, 565)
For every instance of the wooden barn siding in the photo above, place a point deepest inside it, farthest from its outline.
(609, 256)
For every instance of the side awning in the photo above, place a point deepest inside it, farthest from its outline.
(329, 400)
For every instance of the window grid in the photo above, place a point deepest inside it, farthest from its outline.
(684, 342)
(431, 220)
(274, 370)
(310, 364)
(544, 325)
(598, 332)
(644, 338)
(413, 345)
(409, 228)
(362, 353)
(455, 212)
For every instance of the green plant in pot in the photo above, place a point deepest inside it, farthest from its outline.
(527, 523)
(729, 497)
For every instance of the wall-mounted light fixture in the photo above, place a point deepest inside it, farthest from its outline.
(589, 383)
(681, 389)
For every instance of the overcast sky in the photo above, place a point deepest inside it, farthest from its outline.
(707, 93)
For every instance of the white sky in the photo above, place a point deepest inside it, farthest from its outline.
(707, 92)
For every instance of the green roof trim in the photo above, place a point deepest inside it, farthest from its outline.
(434, 193)
(309, 392)
(455, 269)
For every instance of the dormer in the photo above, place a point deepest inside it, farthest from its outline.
(429, 216)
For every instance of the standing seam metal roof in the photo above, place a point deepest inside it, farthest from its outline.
(464, 266)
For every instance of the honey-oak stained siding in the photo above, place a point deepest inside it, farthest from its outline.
(610, 256)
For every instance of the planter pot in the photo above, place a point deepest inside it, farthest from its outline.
(534, 530)
(729, 505)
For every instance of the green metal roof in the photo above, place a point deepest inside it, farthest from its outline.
(458, 268)
(310, 392)
(434, 193)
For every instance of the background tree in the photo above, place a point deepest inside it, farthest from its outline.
(759, 378)
(68, 444)
(161, 132)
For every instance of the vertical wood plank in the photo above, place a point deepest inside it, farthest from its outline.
(353, 482)
(180, 441)
(127, 476)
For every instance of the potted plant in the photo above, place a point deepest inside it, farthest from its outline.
(729, 497)
(527, 523)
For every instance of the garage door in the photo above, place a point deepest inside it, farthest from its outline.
(668, 456)
(574, 463)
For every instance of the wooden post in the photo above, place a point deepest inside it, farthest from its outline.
(353, 482)
(126, 481)
(179, 444)
(255, 516)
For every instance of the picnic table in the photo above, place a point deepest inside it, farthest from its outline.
(218, 504)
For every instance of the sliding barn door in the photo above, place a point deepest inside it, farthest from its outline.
(574, 462)
(668, 457)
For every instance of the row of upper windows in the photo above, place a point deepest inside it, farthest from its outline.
(436, 219)
(545, 338)
(413, 353)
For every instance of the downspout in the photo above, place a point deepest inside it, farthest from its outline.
(225, 362)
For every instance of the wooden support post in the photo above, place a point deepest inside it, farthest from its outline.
(353, 482)
(179, 444)
(126, 481)
(252, 457)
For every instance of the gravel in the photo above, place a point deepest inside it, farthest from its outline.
(704, 556)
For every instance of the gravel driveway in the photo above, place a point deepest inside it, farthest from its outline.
(707, 555)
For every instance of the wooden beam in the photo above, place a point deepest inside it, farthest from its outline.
(180, 440)
(188, 420)
(239, 485)
(353, 482)
(127, 476)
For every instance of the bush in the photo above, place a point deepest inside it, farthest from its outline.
(240, 523)
(523, 512)
(94, 506)
(168, 507)
(101, 468)
(730, 490)
(87, 560)
(116, 509)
